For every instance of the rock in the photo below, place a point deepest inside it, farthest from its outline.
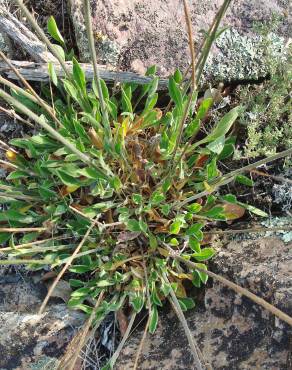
(231, 331)
(18, 294)
(154, 32)
(30, 341)
(27, 340)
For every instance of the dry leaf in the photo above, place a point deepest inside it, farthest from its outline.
(62, 290)
(48, 275)
(95, 138)
(233, 211)
(126, 236)
(122, 321)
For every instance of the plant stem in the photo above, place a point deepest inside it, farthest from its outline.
(193, 80)
(22, 262)
(115, 356)
(211, 38)
(136, 362)
(88, 22)
(21, 229)
(15, 116)
(174, 301)
(238, 289)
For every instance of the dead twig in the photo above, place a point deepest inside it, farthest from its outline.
(251, 230)
(19, 33)
(192, 343)
(64, 269)
(83, 337)
(238, 289)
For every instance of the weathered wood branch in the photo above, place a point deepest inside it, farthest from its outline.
(39, 72)
(18, 32)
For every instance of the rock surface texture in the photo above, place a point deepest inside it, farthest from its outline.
(140, 33)
(29, 341)
(231, 331)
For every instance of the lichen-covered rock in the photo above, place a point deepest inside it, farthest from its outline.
(154, 32)
(231, 331)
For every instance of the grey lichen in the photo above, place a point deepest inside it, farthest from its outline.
(45, 363)
(107, 51)
(286, 236)
(282, 194)
(242, 57)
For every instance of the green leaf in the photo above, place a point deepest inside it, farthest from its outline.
(230, 198)
(202, 275)
(194, 125)
(152, 241)
(195, 230)
(92, 173)
(226, 152)
(53, 30)
(178, 76)
(104, 283)
(16, 175)
(143, 226)
(137, 302)
(60, 51)
(80, 292)
(166, 185)
(175, 227)
(137, 198)
(71, 90)
(52, 73)
(254, 210)
(175, 94)
(204, 255)
(194, 244)
(224, 124)
(151, 71)
(104, 89)
(196, 279)
(157, 197)
(13, 215)
(215, 212)
(244, 180)
(212, 170)
(194, 208)
(4, 237)
(153, 319)
(67, 179)
(79, 75)
(133, 225)
(76, 283)
(217, 145)
(126, 102)
(189, 303)
(79, 269)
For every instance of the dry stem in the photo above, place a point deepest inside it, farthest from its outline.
(64, 269)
